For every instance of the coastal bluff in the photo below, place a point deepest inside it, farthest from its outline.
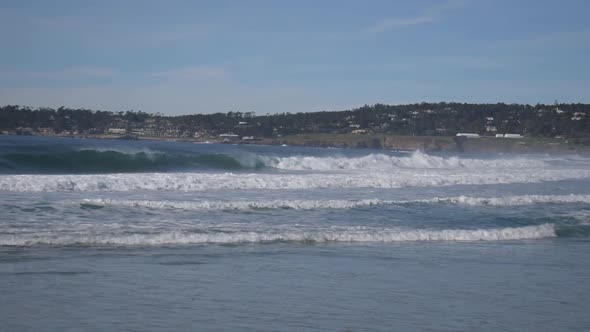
(434, 143)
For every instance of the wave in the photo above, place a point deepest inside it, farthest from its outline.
(233, 205)
(385, 162)
(318, 236)
(513, 200)
(217, 205)
(112, 161)
(235, 181)
(98, 161)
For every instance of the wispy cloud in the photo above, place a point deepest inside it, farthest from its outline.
(100, 33)
(343, 68)
(65, 74)
(431, 15)
(468, 62)
(194, 73)
(170, 98)
(391, 23)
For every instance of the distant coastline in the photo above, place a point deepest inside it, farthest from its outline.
(456, 127)
(484, 144)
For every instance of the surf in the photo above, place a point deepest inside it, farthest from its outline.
(383, 162)
(310, 236)
(302, 204)
(215, 205)
(199, 181)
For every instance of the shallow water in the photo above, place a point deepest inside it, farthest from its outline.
(222, 237)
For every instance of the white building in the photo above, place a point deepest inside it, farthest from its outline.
(578, 116)
(512, 136)
(227, 138)
(116, 131)
(469, 135)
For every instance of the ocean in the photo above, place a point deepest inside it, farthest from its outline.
(116, 235)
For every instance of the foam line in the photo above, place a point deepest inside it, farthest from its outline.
(384, 162)
(235, 205)
(514, 200)
(234, 181)
(185, 238)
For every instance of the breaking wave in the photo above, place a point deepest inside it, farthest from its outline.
(317, 236)
(231, 181)
(96, 161)
(384, 162)
(514, 200)
(217, 205)
(234, 205)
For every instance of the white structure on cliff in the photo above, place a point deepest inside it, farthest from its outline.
(469, 135)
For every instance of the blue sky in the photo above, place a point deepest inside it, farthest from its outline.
(182, 57)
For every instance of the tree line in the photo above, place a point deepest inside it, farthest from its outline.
(421, 119)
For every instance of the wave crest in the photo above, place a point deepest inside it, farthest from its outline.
(111, 161)
(228, 181)
(384, 162)
(514, 200)
(218, 205)
(185, 238)
(234, 205)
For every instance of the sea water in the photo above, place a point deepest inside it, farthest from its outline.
(119, 235)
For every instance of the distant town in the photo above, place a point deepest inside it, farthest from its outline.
(421, 119)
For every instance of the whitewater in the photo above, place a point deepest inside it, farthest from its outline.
(311, 239)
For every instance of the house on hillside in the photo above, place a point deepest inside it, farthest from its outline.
(229, 138)
(512, 136)
(468, 135)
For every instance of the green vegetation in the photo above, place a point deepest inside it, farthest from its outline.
(372, 122)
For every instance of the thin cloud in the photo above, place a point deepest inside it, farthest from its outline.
(469, 62)
(194, 73)
(65, 74)
(330, 68)
(431, 15)
(169, 98)
(104, 34)
(392, 23)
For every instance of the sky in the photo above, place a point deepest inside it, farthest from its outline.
(186, 57)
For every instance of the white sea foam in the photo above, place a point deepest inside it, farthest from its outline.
(384, 162)
(230, 181)
(332, 204)
(512, 200)
(183, 238)
(235, 205)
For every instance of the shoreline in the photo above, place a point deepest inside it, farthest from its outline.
(482, 144)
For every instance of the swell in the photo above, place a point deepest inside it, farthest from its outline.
(111, 161)
(312, 236)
